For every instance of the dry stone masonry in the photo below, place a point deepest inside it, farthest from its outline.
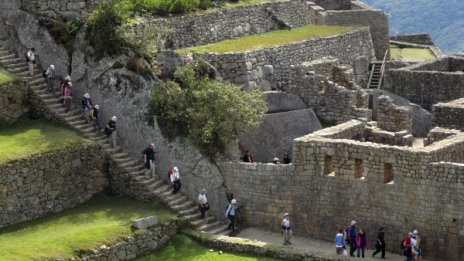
(13, 102)
(449, 114)
(393, 118)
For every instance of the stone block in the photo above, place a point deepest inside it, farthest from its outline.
(281, 101)
(143, 223)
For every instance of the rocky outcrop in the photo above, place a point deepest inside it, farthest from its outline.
(13, 97)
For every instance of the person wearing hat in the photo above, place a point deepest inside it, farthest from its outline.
(110, 131)
(286, 229)
(203, 204)
(95, 116)
(352, 233)
(415, 244)
(380, 243)
(149, 158)
(30, 59)
(276, 160)
(49, 74)
(175, 180)
(67, 99)
(407, 247)
(86, 106)
(231, 213)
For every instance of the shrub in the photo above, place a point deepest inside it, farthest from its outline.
(209, 112)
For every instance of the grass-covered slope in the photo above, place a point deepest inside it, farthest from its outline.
(27, 137)
(274, 38)
(398, 53)
(184, 248)
(101, 220)
(7, 77)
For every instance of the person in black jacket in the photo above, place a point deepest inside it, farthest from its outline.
(149, 158)
(380, 244)
(110, 131)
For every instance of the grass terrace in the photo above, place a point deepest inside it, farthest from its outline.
(274, 38)
(101, 220)
(27, 137)
(7, 77)
(411, 53)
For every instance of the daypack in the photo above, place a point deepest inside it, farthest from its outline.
(170, 172)
(27, 58)
(402, 244)
(44, 73)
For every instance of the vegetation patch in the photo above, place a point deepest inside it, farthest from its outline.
(182, 247)
(28, 137)
(101, 220)
(398, 53)
(7, 77)
(208, 111)
(273, 38)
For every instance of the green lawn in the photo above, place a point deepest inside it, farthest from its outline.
(101, 220)
(273, 38)
(6, 77)
(27, 137)
(182, 247)
(398, 53)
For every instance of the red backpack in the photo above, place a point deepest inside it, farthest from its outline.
(170, 172)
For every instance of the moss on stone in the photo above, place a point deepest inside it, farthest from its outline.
(7, 77)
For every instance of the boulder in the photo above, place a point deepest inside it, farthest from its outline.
(281, 101)
(144, 223)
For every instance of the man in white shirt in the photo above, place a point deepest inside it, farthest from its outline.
(203, 203)
(31, 60)
(286, 229)
(175, 180)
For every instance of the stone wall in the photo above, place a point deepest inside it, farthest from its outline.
(50, 182)
(66, 7)
(331, 179)
(331, 102)
(198, 29)
(427, 83)
(391, 117)
(334, 4)
(145, 242)
(358, 14)
(438, 133)
(8, 7)
(418, 38)
(270, 67)
(399, 138)
(13, 102)
(449, 114)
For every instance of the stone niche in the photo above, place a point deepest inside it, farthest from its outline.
(51, 182)
(13, 102)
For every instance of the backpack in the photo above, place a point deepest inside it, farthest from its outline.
(402, 244)
(170, 171)
(44, 73)
(27, 58)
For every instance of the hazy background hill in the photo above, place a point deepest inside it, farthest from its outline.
(442, 19)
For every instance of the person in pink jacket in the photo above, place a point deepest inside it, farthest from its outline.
(362, 243)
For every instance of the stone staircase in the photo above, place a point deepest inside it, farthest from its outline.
(375, 75)
(179, 203)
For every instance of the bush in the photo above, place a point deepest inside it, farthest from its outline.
(209, 112)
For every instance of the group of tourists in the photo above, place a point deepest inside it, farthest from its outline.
(248, 157)
(411, 246)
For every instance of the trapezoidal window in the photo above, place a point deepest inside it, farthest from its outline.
(388, 173)
(329, 166)
(358, 169)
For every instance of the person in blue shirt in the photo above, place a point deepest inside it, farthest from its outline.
(339, 242)
(231, 213)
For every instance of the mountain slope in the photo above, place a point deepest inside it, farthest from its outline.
(443, 20)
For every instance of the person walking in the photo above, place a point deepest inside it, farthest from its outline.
(203, 204)
(380, 243)
(30, 59)
(362, 243)
(339, 242)
(248, 157)
(110, 131)
(287, 229)
(351, 236)
(415, 245)
(86, 106)
(175, 180)
(95, 115)
(64, 82)
(407, 247)
(67, 99)
(231, 213)
(149, 158)
(286, 159)
(49, 75)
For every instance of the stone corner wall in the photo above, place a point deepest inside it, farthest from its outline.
(13, 102)
(418, 38)
(438, 134)
(449, 115)
(50, 182)
(391, 117)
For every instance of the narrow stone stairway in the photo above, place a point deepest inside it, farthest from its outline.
(179, 203)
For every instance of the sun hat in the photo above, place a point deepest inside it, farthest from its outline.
(175, 169)
(87, 95)
(353, 222)
(286, 214)
(97, 107)
(113, 118)
(52, 66)
(233, 201)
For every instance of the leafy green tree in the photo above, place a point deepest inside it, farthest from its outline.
(209, 112)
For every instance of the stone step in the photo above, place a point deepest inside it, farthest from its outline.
(122, 160)
(46, 96)
(37, 80)
(7, 56)
(130, 163)
(5, 52)
(119, 155)
(177, 201)
(218, 230)
(210, 226)
(113, 150)
(18, 65)
(7, 61)
(17, 69)
(193, 216)
(201, 221)
(179, 207)
(189, 211)
(51, 101)
(134, 168)
(155, 185)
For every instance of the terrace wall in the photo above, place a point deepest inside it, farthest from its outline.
(449, 115)
(320, 204)
(13, 102)
(270, 67)
(48, 183)
(419, 38)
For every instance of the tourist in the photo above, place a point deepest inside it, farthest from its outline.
(175, 180)
(49, 74)
(110, 131)
(86, 106)
(276, 160)
(203, 204)
(286, 229)
(380, 244)
(67, 99)
(64, 82)
(149, 158)
(339, 242)
(407, 249)
(286, 159)
(30, 59)
(362, 242)
(416, 247)
(95, 115)
(248, 157)
(351, 237)
(231, 213)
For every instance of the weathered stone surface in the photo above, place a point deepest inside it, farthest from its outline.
(13, 102)
(281, 101)
(143, 223)
(391, 117)
(275, 135)
(449, 114)
(417, 38)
